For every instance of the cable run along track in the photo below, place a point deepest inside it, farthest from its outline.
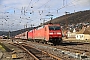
(37, 54)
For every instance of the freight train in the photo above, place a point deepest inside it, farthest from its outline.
(50, 33)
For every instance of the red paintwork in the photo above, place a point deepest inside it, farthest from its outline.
(43, 33)
(30, 34)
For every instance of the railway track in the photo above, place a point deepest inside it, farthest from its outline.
(75, 50)
(37, 54)
(70, 50)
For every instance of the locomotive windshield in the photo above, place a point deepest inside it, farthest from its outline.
(54, 27)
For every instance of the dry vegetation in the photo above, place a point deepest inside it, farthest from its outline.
(77, 17)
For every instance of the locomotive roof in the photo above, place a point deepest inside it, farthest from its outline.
(47, 24)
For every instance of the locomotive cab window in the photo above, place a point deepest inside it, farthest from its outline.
(54, 27)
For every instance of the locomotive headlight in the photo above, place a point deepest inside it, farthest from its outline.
(50, 33)
(58, 33)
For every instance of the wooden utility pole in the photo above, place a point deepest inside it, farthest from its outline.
(66, 18)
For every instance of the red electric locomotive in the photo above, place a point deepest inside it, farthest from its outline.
(47, 33)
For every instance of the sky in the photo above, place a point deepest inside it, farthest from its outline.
(20, 14)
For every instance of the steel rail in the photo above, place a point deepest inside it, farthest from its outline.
(51, 55)
(20, 46)
(29, 53)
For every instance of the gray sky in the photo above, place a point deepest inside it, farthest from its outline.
(15, 14)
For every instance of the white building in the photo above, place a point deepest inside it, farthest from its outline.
(71, 35)
(83, 34)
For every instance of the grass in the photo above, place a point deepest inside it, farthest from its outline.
(1, 48)
(4, 48)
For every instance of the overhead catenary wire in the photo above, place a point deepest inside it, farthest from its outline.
(34, 3)
(65, 5)
(23, 8)
(44, 4)
(40, 6)
(29, 4)
(38, 11)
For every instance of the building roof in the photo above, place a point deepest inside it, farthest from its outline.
(88, 28)
(84, 30)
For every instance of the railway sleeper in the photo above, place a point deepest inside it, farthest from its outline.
(43, 57)
(48, 58)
